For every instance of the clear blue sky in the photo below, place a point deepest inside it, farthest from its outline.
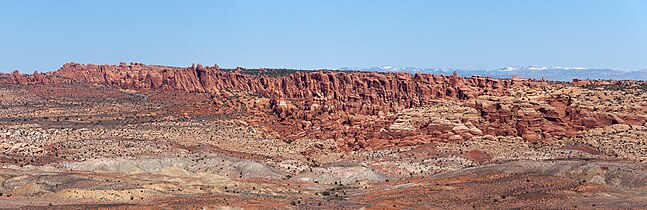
(306, 34)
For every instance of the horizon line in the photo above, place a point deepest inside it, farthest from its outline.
(342, 68)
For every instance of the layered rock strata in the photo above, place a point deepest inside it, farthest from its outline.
(356, 109)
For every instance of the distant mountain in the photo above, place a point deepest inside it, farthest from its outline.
(537, 72)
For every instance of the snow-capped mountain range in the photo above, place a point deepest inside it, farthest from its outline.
(537, 72)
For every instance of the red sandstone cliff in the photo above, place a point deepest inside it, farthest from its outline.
(352, 107)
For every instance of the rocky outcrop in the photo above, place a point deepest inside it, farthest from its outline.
(355, 109)
(406, 88)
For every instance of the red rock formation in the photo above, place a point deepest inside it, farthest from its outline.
(350, 108)
(397, 90)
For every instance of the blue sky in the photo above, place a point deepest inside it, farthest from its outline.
(307, 34)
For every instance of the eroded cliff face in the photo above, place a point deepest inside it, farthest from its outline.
(398, 88)
(355, 109)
